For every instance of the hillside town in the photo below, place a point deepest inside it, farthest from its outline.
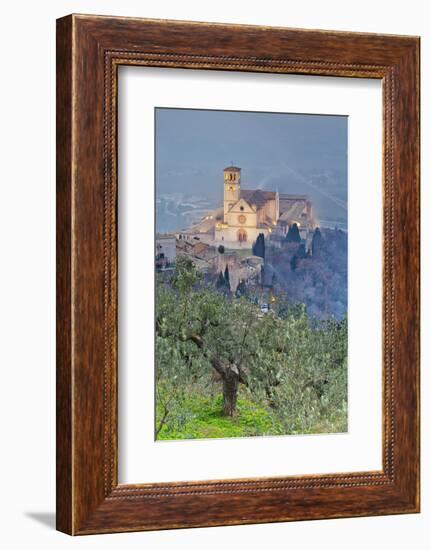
(225, 238)
(251, 289)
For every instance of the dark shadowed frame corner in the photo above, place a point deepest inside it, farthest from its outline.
(89, 51)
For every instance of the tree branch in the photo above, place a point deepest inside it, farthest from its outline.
(165, 414)
(215, 361)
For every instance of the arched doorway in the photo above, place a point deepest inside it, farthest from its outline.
(242, 235)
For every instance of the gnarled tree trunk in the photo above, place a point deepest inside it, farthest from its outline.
(230, 389)
(230, 374)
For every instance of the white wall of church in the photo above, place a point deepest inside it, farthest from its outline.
(248, 219)
(229, 236)
(271, 209)
(231, 196)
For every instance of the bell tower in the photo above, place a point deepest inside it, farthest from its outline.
(232, 183)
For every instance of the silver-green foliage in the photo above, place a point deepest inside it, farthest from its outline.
(295, 369)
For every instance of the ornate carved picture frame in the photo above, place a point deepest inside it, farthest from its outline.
(90, 49)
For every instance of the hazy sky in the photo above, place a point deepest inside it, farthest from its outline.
(304, 154)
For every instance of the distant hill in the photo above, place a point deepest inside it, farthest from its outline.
(176, 211)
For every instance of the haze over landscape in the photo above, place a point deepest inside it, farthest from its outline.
(251, 289)
(291, 153)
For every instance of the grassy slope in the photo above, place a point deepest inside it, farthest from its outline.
(206, 421)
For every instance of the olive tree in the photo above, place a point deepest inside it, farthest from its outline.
(296, 369)
(204, 330)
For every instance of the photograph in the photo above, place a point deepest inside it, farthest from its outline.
(251, 274)
(215, 275)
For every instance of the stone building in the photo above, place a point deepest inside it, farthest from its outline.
(248, 212)
(166, 251)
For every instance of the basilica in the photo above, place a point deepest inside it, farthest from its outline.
(248, 212)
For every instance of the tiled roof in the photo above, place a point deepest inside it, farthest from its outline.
(257, 196)
(288, 197)
(293, 212)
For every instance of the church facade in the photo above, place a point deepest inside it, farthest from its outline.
(248, 212)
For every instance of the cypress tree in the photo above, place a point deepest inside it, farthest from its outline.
(316, 243)
(226, 277)
(259, 246)
(293, 235)
(220, 283)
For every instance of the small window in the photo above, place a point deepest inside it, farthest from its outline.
(241, 208)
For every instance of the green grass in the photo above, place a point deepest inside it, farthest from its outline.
(205, 420)
(200, 417)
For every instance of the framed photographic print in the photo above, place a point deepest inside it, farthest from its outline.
(237, 274)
